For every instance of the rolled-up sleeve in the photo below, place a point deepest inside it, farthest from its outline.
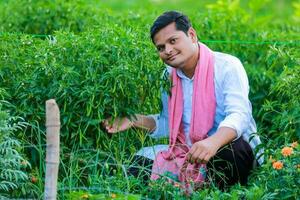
(161, 120)
(237, 107)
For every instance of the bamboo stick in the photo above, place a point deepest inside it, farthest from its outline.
(52, 150)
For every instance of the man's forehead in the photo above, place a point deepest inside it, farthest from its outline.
(166, 33)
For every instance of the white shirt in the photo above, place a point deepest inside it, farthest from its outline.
(233, 108)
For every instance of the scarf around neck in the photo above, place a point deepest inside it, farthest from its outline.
(174, 161)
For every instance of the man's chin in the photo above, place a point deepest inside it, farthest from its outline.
(174, 64)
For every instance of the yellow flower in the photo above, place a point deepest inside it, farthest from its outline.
(84, 196)
(278, 165)
(287, 151)
(294, 144)
(113, 195)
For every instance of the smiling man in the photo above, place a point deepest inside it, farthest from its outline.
(207, 117)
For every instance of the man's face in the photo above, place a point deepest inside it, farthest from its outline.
(176, 48)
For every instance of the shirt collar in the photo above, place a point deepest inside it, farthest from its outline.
(182, 75)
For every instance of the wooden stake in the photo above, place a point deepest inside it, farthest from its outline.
(52, 150)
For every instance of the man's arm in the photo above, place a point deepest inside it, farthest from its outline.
(158, 126)
(121, 124)
(202, 151)
(237, 110)
(144, 122)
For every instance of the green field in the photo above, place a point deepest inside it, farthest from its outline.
(97, 60)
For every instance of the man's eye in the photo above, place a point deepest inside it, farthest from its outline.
(160, 49)
(172, 41)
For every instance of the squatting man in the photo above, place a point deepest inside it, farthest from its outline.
(206, 114)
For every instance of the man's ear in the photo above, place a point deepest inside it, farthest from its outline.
(192, 34)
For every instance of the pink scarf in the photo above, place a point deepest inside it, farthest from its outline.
(174, 161)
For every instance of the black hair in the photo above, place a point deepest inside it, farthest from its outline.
(182, 22)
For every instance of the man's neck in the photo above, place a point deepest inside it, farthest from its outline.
(189, 70)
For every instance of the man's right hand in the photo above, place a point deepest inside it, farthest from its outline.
(119, 124)
(123, 123)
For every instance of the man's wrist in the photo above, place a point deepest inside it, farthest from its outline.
(137, 121)
(134, 121)
(223, 136)
(143, 122)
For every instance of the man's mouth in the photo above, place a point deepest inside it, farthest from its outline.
(172, 57)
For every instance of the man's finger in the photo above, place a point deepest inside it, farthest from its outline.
(193, 149)
(207, 158)
(111, 130)
(195, 155)
(202, 157)
(192, 152)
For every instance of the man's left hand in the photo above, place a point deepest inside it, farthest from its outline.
(202, 151)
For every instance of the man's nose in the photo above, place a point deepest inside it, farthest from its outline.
(169, 49)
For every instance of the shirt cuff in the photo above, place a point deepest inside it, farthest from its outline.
(154, 133)
(232, 122)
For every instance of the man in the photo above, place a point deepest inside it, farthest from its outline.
(207, 116)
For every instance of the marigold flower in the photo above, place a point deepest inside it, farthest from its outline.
(294, 144)
(287, 151)
(113, 195)
(278, 165)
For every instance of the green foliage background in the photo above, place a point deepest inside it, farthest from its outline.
(97, 60)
